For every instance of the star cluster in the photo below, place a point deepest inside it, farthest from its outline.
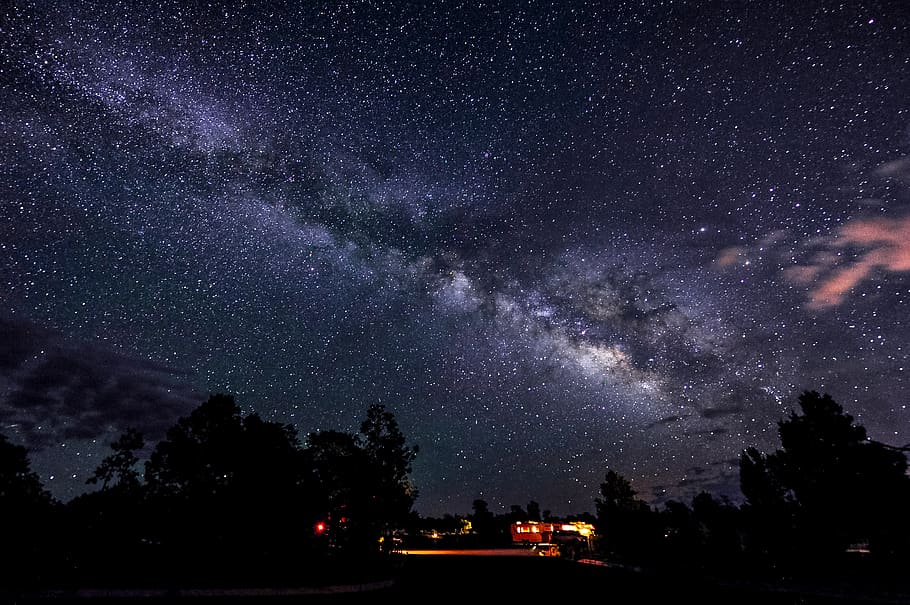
(551, 237)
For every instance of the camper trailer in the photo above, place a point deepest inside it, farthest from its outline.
(569, 540)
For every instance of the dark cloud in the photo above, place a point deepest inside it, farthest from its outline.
(720, 412)
(666, 421)
(58, 390)
(719, 478)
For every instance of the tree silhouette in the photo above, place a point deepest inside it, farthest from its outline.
(517, 513)
(719, 531)
(626, 525)
(20, 487)
(118, 469)
(102, 532)
(199, 456)
(829, 486)
(225, 499)
(272, 493)
(364, 484)
(392, 493)
(616, 496)
(684, 539)
(342, 471)
(483, 523)
(29, 513)
(227, 491)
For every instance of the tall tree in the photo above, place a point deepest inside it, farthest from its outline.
(616, 496)
(625, 524)
(390, 458)
(364, 480)
(836, 485)
(225, 487)
(199, 456)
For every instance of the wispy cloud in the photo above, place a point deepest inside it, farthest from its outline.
(883, 245)
(861, 250)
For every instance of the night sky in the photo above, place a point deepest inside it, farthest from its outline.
(552, 238)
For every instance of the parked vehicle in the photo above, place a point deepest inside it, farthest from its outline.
(572, 540)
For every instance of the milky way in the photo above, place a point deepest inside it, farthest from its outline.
(552, 238)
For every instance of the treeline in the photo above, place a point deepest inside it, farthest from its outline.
(232, 499)
(223, 499)
(830, 502)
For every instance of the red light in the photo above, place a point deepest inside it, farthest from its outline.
(319, 528)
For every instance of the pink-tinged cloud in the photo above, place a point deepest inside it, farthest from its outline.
(832, 291)
(887, 248)
(730, 256)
